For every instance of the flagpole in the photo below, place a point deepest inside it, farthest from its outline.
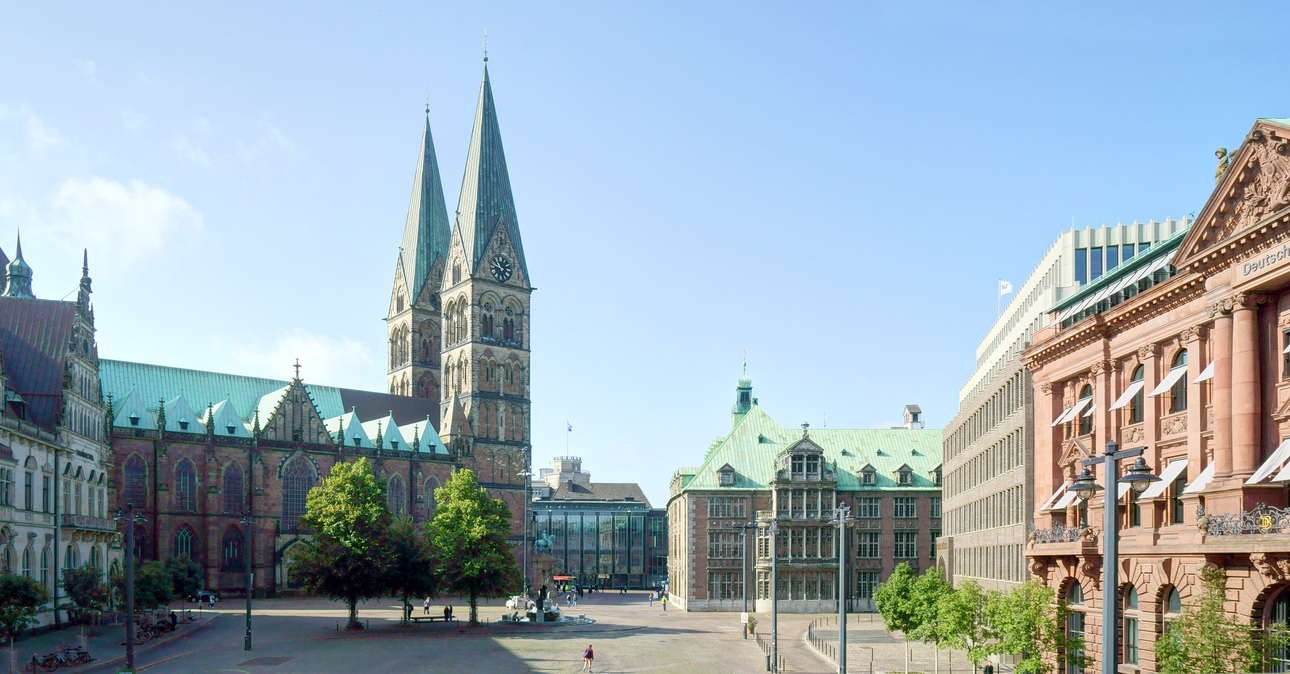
(998, 300)
(566, 438)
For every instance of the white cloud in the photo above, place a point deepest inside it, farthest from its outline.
(191, 149)
(134, 121)
(40, 134)
(88, 68)
(124, 221)
(275, 134)
(324, 359)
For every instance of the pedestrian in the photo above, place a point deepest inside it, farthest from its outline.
(989, 668)
(425, 608)
(651, 600)
(664, 602)
(588, 657)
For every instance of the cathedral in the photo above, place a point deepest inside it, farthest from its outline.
(219, 464)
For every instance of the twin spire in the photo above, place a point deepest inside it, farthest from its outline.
(484, 205)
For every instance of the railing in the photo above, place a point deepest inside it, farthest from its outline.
(87, 522)
(778, 665)
(1264, 519)
(1057, 534)
(828, 649)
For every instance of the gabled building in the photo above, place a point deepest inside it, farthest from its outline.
(762, 472)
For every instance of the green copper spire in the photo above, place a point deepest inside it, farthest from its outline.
(425, 236)
(19, 275)
(486, 202)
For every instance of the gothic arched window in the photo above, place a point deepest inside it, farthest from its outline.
(184, 542)
(136, 478)
(297, 480)
(231, 545)
(233, 490)
(432, 483)
(396, 497)
(487, 321)
(185, 487)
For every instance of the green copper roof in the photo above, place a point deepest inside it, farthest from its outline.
(756, 442)
(425, 236)
(485, 201)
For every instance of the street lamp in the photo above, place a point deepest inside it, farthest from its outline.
(524, 512)
(774, 597)
(842, 519)
(131, 518)
(744, 528)
(1138, 477)
(247, 522)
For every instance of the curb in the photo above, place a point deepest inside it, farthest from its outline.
(174, 636)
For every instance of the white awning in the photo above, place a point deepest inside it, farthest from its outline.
(1044, 507)
(1286, 350)
(1072, 412)
(1206, 476)
(1206, 374)
(1061, 417)
(1283, 475)
(1169, 380)
(1066, 499)
(1175, 467)
(1123, 488)
(1089, 412)
(1127, 395)
(1273, 463)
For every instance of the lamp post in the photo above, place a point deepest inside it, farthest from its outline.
(743, 531)
(774, 597)
(524, 512)
(1138, 477)
(131, 518)
(842, 519)
(247, 523)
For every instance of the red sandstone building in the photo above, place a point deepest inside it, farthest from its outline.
(1184, 350)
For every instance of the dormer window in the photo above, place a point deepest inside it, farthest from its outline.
(134, 420)
(868, 476)
(358, 442)
(394, 444)
(936, 476)
(813, 467)
(726, 476)
(905, 476)
(230, 428)
(183, 425)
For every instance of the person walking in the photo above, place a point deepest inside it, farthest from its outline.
(588, 657)
(425, 607)
(651, 600)
(664, 602)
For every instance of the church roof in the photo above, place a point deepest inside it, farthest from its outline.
(485, 200)
(599, 491)
(754, 445)
(34, 336)
(425, 236)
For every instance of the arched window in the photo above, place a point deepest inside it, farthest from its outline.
(1178, 393)
(432, 483)
(6, 560)
(1138, 403)
(231, 544)
(234, 491)
(487, 321)
(71, 557)
(184, 542)
(1172, 612)
(95, 560)
(1278, 614)
(44, 568)
(396, 497)
(185, 487)
(26, 563)
(136, 479)
(297, 480)
(140, 542)
(1075, 626)
(1086, 416)
(1130, 613)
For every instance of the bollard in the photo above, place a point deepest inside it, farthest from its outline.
(768, 662)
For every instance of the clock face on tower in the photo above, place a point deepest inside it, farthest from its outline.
(501, 268)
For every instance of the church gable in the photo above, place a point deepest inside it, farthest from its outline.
(1254, 189)
(400, 297)
(292, 416)
(501, 262)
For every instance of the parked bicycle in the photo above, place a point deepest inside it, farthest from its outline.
(66, 655)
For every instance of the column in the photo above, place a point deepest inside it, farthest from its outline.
(1245, 386)
(1221, 311)
(1192, 338)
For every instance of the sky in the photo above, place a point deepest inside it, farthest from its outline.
(834, 188)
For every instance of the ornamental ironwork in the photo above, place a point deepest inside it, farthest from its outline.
(1058, 534)
(1263, 519)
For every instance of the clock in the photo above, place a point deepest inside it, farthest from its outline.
(501, 268)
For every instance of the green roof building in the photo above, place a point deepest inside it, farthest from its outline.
(763, 472)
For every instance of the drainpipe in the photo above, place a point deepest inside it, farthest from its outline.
(57, 529)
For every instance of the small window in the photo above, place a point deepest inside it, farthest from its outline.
(1179, 391)
(906, 477)
(1085, 415)
(727, 478)
(1138, 403)
(394, 444)
(1175, 502)
(183, 425)
(134, 420)
(869, 476)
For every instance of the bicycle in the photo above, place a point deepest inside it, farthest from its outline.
(46, 662)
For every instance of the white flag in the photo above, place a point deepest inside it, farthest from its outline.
(1004, 288)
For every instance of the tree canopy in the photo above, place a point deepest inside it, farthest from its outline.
(469, 532)
(21, 599)
(85, 587)
(1206, 638)
(412, 565)
(1030, 622)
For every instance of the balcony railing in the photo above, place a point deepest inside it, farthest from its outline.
(88, 523)
(1057, 534)
(1264, 519)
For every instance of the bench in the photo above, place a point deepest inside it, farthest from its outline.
(431, 619)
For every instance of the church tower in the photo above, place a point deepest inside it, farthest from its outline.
(485, 292)
(414, 319)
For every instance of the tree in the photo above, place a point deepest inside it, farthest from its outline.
(929, 589)
(1206, 638)
(469, 533)
(185, 576)
(153, 586)
(1029, 622)
(411, 572)
(962, 621)
(898, 605)
(86, 589)
(346, 559)
(21, 598)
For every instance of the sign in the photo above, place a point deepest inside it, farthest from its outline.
(1260, 261)
(743, 618)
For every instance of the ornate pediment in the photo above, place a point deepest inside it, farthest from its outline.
(1283, 410)
(1255, 187)
(1073, 451)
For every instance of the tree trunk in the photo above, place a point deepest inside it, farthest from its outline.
(906, 655)
(474, 607)
(936, 659)
(353, 615)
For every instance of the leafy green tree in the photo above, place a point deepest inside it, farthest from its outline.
(153, 586)
(347, 559)
(411, 573)
(86, 589)
(21, 599)
(469, 533)
(929, 589)
(185, 576)
(962, 621)
(897, 603)
(1206, 638)
(1030, 622)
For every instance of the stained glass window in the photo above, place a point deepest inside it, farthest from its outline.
(184, 542)
(185, 487)
(396, 497)
(136, 479)
(233, 490)
(232, 546)
(297, 480)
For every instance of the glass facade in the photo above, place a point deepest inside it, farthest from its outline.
(606, 549)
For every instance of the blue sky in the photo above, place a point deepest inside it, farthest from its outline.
(833, 187)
